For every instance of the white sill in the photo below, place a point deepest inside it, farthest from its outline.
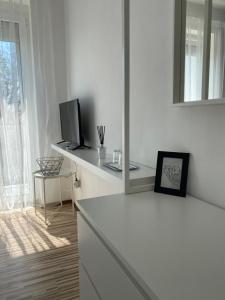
(200, 103)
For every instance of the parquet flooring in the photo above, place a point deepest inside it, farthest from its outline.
(39, 261)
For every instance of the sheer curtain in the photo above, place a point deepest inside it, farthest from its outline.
(193, 58)
(49, 89)
(17, 106)
(217, 61)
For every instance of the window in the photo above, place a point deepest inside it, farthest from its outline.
(10, 65)
(11, 103)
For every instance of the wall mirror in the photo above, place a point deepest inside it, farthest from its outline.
(199, 50)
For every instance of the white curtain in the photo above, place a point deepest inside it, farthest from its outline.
(48, 86)
(29, 96)
(217, 61)
(18, 145)
(193, 58)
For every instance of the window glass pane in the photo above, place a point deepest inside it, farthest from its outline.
(217, 53)
(10, 64)
(10, 105)
(10, 80)
(194, 41)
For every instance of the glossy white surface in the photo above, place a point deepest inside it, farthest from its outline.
(174, 247)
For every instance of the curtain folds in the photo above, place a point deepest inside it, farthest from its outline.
(29, 95)
(17, 106)
(45, 59)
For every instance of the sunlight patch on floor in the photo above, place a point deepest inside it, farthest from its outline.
(25, 233)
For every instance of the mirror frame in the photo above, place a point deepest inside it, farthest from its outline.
(126, 95)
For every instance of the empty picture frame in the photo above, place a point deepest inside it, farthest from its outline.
(172, 173)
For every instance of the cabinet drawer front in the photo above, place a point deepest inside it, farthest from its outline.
(87, 291)
(108, 277)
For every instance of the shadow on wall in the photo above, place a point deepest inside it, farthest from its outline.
(88, 120)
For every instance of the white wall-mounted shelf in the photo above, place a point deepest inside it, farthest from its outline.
(140, 180)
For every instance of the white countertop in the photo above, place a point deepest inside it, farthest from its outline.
(89, 158)
(174, 247)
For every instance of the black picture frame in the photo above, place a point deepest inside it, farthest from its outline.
(172, 179)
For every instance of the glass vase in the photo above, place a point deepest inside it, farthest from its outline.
(101, 152)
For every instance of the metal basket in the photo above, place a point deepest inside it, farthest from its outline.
(50, 166)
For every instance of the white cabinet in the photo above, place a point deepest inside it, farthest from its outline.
(104, 271)
(87, 290)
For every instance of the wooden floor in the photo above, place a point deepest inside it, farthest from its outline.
(36, 261)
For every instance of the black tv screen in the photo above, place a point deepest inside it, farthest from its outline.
(71, 122)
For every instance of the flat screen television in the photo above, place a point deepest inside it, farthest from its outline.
(71, 123)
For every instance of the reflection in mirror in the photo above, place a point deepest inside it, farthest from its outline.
(199, 66)
(217, 51)
(194, 41)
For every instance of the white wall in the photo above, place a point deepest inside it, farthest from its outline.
(155, 124)
(59, 46)
(94, 61)
(93, 35)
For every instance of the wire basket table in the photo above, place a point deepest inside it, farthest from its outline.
(50, 166)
